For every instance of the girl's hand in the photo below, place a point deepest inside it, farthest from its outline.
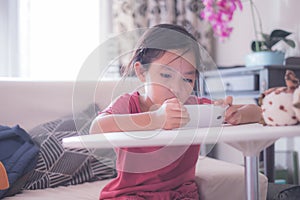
(232, 115)
(224, 102)
(172, 114)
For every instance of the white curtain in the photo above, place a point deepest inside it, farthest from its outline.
(9, 39)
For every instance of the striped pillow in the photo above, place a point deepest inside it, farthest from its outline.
(57, 165)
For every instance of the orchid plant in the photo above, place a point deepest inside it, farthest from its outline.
(267, 41)
(219, 13)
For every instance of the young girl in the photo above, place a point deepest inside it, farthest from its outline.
(166, 61)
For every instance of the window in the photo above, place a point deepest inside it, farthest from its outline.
(54, 37)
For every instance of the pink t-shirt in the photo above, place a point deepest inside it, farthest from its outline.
(152, 172)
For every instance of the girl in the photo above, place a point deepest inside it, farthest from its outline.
(166, 61)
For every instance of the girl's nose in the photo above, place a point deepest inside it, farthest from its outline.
(175, 88)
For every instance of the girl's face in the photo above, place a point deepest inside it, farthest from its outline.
(171, 76)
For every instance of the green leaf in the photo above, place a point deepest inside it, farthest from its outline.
(265, 36)
(280, 33)
(267, 41)
(273, 41)
(259, 45)
(291, 43)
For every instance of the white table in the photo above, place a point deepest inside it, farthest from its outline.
(250, 139)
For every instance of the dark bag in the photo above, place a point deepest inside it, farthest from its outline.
(283, 192)
(18, 154)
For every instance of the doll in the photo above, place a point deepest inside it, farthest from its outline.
(296, 103)
(278, 106)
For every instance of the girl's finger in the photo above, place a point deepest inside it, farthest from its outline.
(231, 110)
(224, 102)
(228, 100)
(219, 102)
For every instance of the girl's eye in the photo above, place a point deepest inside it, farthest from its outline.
(165, 75)
(188, 80)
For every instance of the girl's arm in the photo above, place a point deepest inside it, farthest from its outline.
(172, 114)
(124, 122)
(242, 114)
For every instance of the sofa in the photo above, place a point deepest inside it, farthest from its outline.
(35, 104)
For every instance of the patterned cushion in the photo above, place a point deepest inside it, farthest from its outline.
(57, 165)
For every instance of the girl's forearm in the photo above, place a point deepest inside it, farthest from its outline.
(123, 122)
(251, 113)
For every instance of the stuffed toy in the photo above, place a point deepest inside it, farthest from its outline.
(279, 105)
(296, 103)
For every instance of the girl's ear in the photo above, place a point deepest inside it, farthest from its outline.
(140, 71)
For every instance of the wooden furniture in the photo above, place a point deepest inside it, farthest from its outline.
(249, 82)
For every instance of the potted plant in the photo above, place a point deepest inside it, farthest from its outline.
(263, 52)
(219, 14)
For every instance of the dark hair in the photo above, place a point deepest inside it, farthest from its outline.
(157, 40)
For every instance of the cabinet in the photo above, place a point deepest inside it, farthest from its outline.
(247, 82)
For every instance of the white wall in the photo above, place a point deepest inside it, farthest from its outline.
(275, 14)
(282, 14)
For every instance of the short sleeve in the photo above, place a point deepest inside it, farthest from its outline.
(124, 104)
(197, 100)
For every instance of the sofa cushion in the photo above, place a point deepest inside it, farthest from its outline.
(57, 165)
(218, 179)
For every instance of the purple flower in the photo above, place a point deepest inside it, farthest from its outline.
(219, 13)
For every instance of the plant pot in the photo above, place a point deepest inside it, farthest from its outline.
(264, 58)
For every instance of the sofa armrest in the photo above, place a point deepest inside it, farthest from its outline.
(222, 180)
